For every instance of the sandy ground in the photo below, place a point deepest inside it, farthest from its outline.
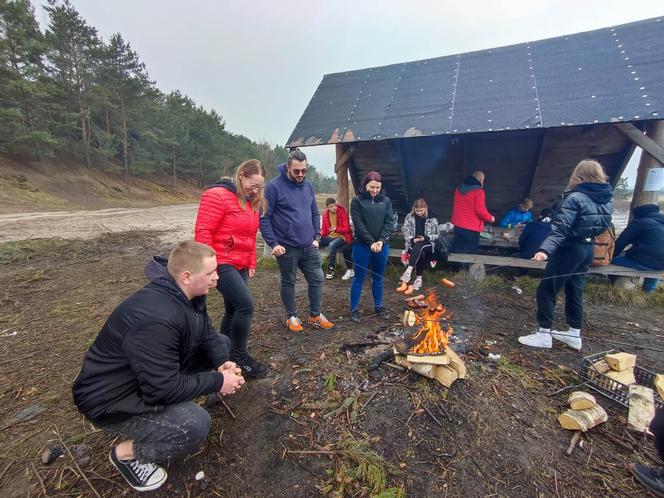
(177, 222)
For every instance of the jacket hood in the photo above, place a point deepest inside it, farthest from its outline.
(226, 183)
(156, 271)
(601, 193)
(284, 174)
(647, 210)
(469, 184)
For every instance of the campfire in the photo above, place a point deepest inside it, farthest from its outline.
(424, 348)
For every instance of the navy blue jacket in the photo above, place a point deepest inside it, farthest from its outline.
(584, 213)
(646, 234)
(292, 217)
(532, 237)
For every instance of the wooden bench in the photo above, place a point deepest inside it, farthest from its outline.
(628, 278)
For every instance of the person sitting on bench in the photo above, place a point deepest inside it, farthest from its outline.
(154, 355)
(534, 234)
(645, 233)
(420, 233)
(336, 234)
(518, 215)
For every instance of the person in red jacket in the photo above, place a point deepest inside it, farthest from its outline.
(337, 235)
(469, 214)
(227, 221)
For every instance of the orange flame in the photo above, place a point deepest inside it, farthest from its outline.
(431, 338)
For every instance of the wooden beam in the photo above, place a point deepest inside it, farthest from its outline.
(341, 169)
(540, 156)
(644, 141)
(654, 141)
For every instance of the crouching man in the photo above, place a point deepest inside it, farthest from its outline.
(155, 354)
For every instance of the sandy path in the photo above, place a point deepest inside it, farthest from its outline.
(177, 221)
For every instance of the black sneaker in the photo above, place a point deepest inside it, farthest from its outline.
(251, 368)
(330, 274)
(140, 476)
(355, 315)
(651, 477)
(382, 314)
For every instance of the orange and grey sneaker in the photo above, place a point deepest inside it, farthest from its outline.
(294, 324)
(320, 322)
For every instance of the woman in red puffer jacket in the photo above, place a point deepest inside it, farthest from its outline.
(227, 221)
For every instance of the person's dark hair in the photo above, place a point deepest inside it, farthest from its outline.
(329, 201)
(372, 176)
(296, 155)
(546, 213)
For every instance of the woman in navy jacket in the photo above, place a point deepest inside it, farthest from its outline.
(584, 213)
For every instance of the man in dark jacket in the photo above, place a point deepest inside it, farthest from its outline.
(533, 234)
(645, 233)
(155, 353)
(291, 227)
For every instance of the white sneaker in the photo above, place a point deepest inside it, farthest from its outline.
(417, 284)
(571, 338)
(537, 340)
(407, 274)
(348, 275)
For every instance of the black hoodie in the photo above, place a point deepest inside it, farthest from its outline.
(148, 351)
(584, 213)
(646, 234)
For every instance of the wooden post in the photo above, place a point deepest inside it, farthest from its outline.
(655, 131)
(343, 195)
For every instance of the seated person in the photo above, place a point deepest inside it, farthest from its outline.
(646, 235)
(518, 215)
(336, 234)
(420, 233)
(534, 234)
(154, 355)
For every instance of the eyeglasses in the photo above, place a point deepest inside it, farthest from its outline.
(254, 186)
(298, 172)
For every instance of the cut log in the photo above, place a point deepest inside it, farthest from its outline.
(456, 363)
(582, 420)
(659, 384)
(621, 361)
(579, 400)
(409, 318)
(641, 407)
(433, 359)
(600, 366)
(446, 375)
(625, 377)
(424, 369)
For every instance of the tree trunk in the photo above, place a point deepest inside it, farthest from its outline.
(200, 171)
(173, 156)
(107, 121)
(125, 138)
(654, 130)
(84, 136)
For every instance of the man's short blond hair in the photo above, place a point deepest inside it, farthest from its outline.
(479, 175)
(188, 255)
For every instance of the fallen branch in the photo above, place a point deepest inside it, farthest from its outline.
(433, 417)
(85, 478)
(226, 406)
(39, 477)
(447, 414)
(573, 442)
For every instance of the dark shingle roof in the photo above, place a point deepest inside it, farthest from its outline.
(602, 76)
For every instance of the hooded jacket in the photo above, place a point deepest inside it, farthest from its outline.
(140, 360)
(469, 208)
(646, 234)
(343, 224)
(292, 217)
(515, 216)
(584, 213)
(373, 218)
(226, 227)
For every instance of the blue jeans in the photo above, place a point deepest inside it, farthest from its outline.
(363, 259)
(336, 243)
(307, 259)
(649, 284)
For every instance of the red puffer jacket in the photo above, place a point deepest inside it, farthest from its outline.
(469, 210)
(343, 224)
(223, 225)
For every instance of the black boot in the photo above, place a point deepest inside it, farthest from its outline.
(251, 368)
(382, 313)
(355, 315)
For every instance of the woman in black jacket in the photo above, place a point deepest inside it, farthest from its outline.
(584, 213)
(373, 220)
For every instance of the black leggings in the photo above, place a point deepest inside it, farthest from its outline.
(238, 306)
(420, 254)
(657, 428)
(465, 241)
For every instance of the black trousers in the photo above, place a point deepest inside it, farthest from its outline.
(465, 241)
(566, 269)
(238, 307)
(420, 254)
(657, 428)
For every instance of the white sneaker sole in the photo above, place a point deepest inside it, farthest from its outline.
(541, 346)
(568, 341)
(151, 487)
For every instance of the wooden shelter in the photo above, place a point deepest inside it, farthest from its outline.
(524, 114)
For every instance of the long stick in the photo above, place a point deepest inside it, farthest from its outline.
(433, 417)
(41, 481)
(64, 445)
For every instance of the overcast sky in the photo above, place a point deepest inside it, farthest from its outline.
(259, 62)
